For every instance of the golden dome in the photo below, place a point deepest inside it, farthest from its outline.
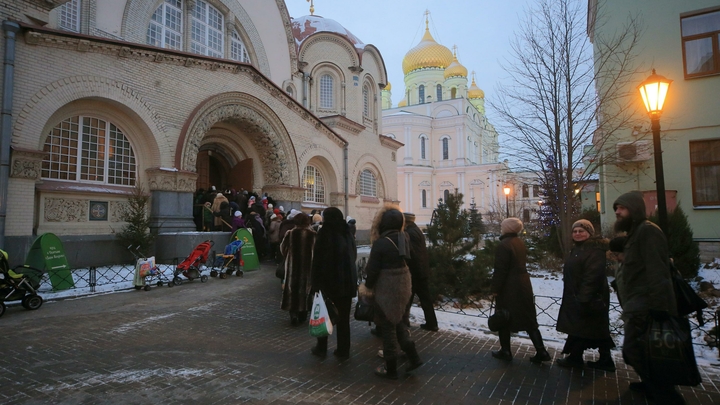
(427, 53)
(455, 68)
(388, 86)
(402, 103)
(474, 91)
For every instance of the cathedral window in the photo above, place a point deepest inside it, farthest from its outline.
(423, 198)
(367, 184)
(326, 91)
(453, 92)
(439, 92)
(238, 51)
(421, 94)
(422, 148)
(366, 101)
(69, 16)
(206, 30)
(446, 148)
(165, 29)
(312, 181)
(89, 149)
(446, 194)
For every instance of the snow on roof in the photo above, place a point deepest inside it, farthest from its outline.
(303, 27)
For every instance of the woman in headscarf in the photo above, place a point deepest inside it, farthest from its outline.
(297, 247)
(389, 277)
(586, 300)
(335, 275)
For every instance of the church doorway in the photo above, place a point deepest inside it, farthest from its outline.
(215, 169)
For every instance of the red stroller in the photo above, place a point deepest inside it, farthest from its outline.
(191, 266)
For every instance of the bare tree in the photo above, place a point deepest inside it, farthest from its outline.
(550, 111)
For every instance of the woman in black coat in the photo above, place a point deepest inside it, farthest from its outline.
(513, 292)
(389, 278)
(335, 275)
(586, 299)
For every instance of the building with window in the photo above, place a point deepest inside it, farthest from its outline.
(176, 95)
(448, 141)
(681, 42)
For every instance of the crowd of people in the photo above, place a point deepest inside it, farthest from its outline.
(318, 252)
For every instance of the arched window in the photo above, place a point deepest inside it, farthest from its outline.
(453, 92)
(289, 91)
(422, 148)
(326, 91)
(165, 29)
(366, 101)
(423, 196)
(421, 94)
(446, 194)
(439, 92)
(238, 51)
(314, 185)
(69, 16)
(206, 30)
(89, 149)
(446, 148)
(367, 184)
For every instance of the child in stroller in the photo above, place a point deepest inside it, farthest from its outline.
(230, 261)
(191, 266)
(20, 283)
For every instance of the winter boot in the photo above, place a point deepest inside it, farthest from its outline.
(413, 360)
(541, 353)
(504, 352)
(388, 370)
(605, 362)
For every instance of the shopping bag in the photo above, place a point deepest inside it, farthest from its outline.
(320, 325)
(671, 359)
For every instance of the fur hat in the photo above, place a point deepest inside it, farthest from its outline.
(511, 225)
(586, 225)
(409, 216)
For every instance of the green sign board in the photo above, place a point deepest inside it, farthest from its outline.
(249, 252)
(47, 254)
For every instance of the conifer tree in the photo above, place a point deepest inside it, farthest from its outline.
(136, 232)
(683, 249)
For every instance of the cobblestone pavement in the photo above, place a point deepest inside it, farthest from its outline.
(227, 342)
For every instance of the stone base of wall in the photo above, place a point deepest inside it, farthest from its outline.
(709, 251)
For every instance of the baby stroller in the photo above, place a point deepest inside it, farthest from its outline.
(190, 267)
(146, 271)
(20, 283)
(229, 261)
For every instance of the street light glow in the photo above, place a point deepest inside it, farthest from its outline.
(506, 190)
(653, 92)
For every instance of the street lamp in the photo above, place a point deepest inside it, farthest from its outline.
(506, 190)
(653, 91)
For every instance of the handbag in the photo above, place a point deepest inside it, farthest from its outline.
(687, 299)
(364, 308)
(670, 355)
(280, 270)
(320, 324)
(499, 320)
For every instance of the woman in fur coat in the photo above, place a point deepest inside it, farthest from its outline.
(586, 300)
(297, 247)
(389, 277)
(335, 275)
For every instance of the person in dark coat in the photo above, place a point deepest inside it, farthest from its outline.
(586, 300)
(389, 278)
(297, 247)
(352, 223)
(513, 291)
(335, 275)
(645, 289)
(419, 265)
(225, 217)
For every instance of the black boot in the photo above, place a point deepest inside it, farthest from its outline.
(605, 362)
(388, 370)
(413, 359)
(504, 352)
(541, 353)
(572, 360)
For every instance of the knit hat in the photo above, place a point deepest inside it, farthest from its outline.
(409, 216)
(281, 208)
(273, 216)
(511, 225)
(238, 213)
(586, 225)
(270, 205)
(292, 213)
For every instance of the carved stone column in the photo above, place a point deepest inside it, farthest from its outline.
(172, 200)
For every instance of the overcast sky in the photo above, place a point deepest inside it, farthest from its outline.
(481, 29)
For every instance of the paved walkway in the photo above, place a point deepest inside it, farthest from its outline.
(227, 342)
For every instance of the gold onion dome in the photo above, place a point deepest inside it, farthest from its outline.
(427, 54)
(402, 103)
(474, 91)
(388, 86)
(455, 68)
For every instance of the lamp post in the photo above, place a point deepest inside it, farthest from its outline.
(506, 190)
(653, 92)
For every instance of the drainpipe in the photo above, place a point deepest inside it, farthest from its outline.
(10, 28)
(347, 189)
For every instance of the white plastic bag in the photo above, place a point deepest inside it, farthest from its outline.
(320, 324)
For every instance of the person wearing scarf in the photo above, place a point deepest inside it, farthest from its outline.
(389, 277)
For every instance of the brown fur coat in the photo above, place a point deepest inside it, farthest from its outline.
(297, 247)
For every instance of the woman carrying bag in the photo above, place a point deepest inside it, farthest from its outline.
(334, 273)
(389, 277)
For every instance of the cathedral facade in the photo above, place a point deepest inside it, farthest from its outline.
(106, 96)
(449, 144)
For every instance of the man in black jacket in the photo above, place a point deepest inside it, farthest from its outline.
(420, 272)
